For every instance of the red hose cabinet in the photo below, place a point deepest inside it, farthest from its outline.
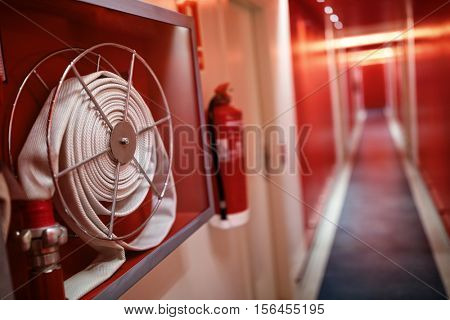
(31, 30)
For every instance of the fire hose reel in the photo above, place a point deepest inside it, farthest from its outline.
(96, 151)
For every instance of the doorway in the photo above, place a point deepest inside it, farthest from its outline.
(242, 62)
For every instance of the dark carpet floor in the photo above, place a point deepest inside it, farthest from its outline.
(379, 209)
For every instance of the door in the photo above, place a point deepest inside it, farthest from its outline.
(374, 86)
(243, 72)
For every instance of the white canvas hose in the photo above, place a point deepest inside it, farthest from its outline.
(79, 133)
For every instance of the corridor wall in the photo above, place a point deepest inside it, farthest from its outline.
(432, 56)
(314, 109)
(220, 264)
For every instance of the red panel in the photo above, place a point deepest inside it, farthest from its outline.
(374, 86)
(313, 109)
(433, 98)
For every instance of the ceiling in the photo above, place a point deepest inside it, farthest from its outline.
(363, 13)
(367, 16)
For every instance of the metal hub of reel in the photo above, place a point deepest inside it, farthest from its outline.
(123, 142)
(123, 138)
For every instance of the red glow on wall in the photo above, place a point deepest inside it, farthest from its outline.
(190, 8)
(433, 96)
(313, 107)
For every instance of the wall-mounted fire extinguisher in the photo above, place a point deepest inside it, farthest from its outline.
(225, 129)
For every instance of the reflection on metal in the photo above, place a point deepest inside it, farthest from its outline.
(2, 66)
(123, 142)
(130, 80)
(156, 123)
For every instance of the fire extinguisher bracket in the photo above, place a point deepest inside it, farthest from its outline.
(232, 221)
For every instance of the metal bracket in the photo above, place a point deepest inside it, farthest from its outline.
(43, 244)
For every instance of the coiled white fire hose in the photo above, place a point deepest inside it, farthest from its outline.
(79, 133)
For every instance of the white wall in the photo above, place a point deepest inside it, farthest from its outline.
(216, 264)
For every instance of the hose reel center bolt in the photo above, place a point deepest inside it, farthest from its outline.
(123, 142)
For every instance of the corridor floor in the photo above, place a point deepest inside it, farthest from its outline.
(379, 210)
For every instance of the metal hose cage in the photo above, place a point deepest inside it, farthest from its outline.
(83, 54)
(35, 72)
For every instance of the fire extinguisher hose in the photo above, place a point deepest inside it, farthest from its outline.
(215, 157)
(79, 133)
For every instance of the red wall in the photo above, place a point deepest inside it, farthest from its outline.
(374, 86)
(433, 101)
(313, 108)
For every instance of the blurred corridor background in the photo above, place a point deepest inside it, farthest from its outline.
(345, 106)
(371, 219)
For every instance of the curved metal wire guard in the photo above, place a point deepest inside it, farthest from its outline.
(107, 234)
(35, 72)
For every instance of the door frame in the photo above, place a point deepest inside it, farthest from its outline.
(271, 24)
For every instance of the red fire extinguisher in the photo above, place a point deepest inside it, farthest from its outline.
(225, 128)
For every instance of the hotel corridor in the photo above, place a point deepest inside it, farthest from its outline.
(380, 249)
(226, 150)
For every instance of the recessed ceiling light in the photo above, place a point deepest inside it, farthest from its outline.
(334, 18)
(338, 25)
(320, 1)
(328, 10)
